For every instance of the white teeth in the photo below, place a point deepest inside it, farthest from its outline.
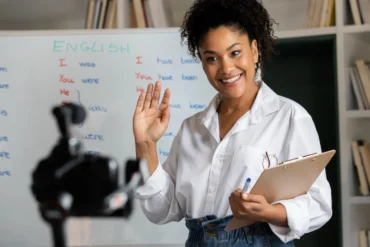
(231, 80)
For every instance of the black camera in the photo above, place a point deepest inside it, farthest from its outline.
(70, 182)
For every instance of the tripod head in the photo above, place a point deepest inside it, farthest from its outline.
(70, 182)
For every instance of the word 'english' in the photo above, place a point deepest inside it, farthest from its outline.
(89, 46)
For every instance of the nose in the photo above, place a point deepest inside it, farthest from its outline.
(227, 66)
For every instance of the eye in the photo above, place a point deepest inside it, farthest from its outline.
(235, 53)
(211, 59)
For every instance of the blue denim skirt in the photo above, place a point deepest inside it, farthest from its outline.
(210, 231)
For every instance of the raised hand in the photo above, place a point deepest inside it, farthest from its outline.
(151, 121)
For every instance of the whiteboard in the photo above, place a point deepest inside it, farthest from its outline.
(104, 71)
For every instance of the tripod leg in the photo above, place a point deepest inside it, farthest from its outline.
(58, 233)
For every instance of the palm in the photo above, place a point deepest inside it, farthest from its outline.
(150, 121)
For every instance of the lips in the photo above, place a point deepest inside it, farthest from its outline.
(230, 80)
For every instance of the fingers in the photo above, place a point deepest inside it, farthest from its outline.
(156, 94)
(252, 207)
(247, 197)
(148, 96)
(140, 103)
(166, 115)
(166, 99)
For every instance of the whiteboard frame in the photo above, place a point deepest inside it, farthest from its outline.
(88, 31)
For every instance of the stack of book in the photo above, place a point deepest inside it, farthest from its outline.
(364, 238)
(139, 13)
(360, 81)
(101, 14)
(320, 13)
(150, 13)
(361, 160)
(360, 11)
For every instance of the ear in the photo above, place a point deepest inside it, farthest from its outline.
(254, 48)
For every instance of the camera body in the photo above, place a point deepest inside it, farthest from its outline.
(70, 182)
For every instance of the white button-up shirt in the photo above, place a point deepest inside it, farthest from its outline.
(201, 171)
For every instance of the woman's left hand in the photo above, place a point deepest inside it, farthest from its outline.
(254, 207)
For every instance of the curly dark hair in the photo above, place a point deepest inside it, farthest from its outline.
(246, 16)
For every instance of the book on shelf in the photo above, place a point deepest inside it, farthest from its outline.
(320, 13)
(360, 10)
(127, 14)
(361, 160)
(101, 14)
(364, 238)
(359, 76)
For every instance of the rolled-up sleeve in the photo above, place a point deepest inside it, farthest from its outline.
(312, 210)
(157, 196)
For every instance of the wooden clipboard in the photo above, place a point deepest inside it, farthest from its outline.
(289, 179)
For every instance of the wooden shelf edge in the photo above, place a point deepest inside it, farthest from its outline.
(306, 32)
(356, 28)
(358, 113)
(360, 200)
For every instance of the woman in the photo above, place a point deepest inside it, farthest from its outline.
(216, 149)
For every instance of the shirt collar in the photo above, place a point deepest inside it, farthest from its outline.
(266, 102)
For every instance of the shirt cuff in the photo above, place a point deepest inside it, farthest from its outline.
(153, 185)
(298, 221)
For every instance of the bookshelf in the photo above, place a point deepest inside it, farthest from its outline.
(340, 45)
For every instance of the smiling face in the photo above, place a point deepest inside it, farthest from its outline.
(229, 59)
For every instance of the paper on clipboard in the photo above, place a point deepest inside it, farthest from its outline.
(287, 180)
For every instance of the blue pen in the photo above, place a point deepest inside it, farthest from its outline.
(246, 185)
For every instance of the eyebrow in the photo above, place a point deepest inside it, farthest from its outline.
(228, 48)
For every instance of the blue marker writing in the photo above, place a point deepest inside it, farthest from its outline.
(246, 185)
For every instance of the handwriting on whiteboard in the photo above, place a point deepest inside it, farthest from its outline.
(97, 108)
(182, 60)
(163, 153)
(170, 134)
(94, 47)
(142, 76)
(94, 137)
(90, 81)
(176, 106)
(4, 155)
(164, 61)
(188, 61)
(165, 77)
(140, 89)
(92, 65)
(3, 113)
(93, 152)
(64, 79)
(5, 173)
(4, 86)
(4, 139)
(188, 77)
(3, 69)
(196, 106)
